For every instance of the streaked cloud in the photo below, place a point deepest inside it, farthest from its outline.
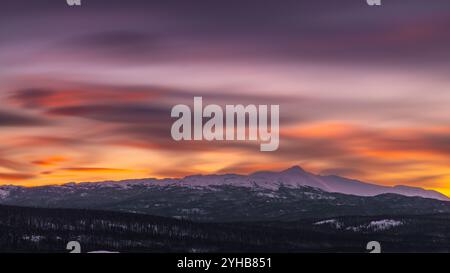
(16, 176)
(86, 96)
(17, 119)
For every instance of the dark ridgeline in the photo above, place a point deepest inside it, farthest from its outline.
(221, 203)
(49, 230)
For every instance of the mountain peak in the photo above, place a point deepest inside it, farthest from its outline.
(294, 169)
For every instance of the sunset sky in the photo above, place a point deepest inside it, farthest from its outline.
(86, 92)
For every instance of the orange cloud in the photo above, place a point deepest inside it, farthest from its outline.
(50, 161)
(64, 97)
(16, 176)
(321, 129)
(96, 170)
(416, 156)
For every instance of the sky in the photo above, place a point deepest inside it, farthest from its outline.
(86, 92)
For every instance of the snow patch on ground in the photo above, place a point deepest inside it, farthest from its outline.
(333, 222)
(193, 211)
(384, 224)
(33, 238)
(379, 225)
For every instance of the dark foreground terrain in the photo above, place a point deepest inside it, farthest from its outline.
(49, 230)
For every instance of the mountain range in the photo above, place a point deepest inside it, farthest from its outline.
(297, 177)
(293, 177)
(289, 195)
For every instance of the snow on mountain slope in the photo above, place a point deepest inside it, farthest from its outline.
(3, 193)
(294, 177)
(297, 177)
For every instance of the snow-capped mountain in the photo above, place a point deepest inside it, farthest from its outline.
(287, 195)
(297, 177)
(294, 177)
